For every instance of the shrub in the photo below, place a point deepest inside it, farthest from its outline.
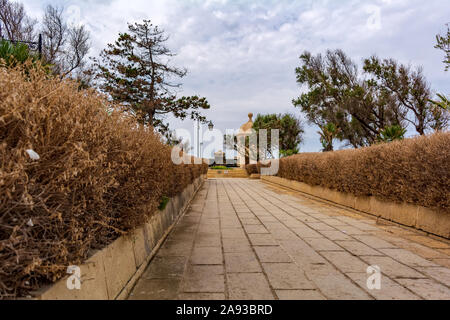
(415, 171)
(99, 175)
(12, 54)
(252, 169)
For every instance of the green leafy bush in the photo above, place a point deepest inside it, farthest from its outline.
(13, 54)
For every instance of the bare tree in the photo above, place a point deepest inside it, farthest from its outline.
(54, 32)
(15, 24)
(78, 46)
(65, 47)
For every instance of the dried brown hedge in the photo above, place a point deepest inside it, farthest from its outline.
(415, 171)
(251, 169)
(99, 175)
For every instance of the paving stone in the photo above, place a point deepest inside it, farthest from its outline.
(265, 219)
(233, 233)
(155, 289)
(334, 285)
(165, 268)
(245, 215)
(362, 225)
(308, 250)
(336, 235)
(250, 221)
(305, 218)
(208, 229)
(255, 229)
(287, 276)
(320, 226)
(351, 230)
(323, 244)
(306, 232)
(445, 251)
(424, 251)
(442, 262)
(184, 236)
(175, 248)
(358, 248)
(345, 262)
(392, 268)
(241, 262)
(284, 235)
(440, 274)
(408, 258)
(207, 255)
(236, 245)
(306, 257)
(389, 290)
(204, 279)
(299, 295)
(262, 239)
(201, 296)
(248, 286)
(374, 242)
(334, 222)
(271, 254)
(430, 242)
(204, 239)
(230, 223)
(426, 288)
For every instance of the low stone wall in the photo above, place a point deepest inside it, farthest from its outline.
(112, 272)
(431, 221)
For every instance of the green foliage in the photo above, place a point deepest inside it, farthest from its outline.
(392, 133)
(288, 153)
(163, 203)
(408, 88)
(363, 105)
(220, 168)
(443, 43)
(134, 72)
(444, 103)
(337, 94)
(13, 54)
(290, 135)
(440, 113)
(327, 134)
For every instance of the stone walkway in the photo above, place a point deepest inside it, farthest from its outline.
(243, 239)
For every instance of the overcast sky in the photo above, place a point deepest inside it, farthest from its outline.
(241, 55)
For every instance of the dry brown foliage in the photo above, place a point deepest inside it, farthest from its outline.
(415, 171)
(251, 169)
(98, 176)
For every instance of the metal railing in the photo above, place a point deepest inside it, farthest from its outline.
(32, 45)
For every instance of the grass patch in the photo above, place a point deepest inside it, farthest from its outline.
(220, 168)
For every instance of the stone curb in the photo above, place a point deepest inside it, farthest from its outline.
(425, 219)
(111, 273)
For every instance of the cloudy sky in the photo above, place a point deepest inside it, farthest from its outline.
(241, 54)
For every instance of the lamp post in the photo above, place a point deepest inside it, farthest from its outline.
(200, 144)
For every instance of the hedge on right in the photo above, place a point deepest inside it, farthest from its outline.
(415, 171)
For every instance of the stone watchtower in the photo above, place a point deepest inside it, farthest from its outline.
(244, 131)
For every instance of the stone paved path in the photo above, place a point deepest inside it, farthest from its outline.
(243, 239)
